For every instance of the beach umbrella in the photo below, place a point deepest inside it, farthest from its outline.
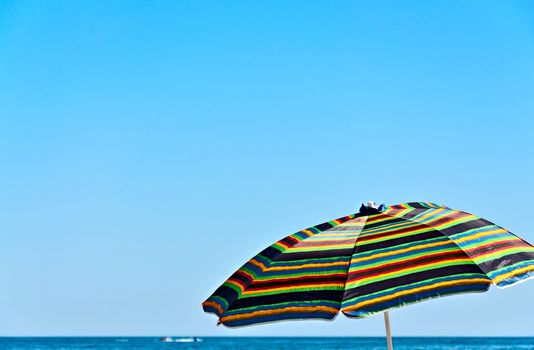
(378, 259)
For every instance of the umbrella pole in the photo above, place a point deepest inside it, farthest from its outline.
(388, 330)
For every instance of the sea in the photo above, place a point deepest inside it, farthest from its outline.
(265, 343)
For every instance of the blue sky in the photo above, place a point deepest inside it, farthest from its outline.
(148, 149)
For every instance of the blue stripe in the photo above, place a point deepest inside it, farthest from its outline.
(494, 274)
(481, 240)
(474, 231)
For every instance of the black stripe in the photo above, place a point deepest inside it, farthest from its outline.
(289, 241)
(387, 232)
(421, 237)
(411, 278)
(507, 260)
(382, 223)
(494, 247)
(415, 212)
(417, 205)
(241, 277)
(324, 226)
(465, 226)
(270, 253)
(419, 296)
(226, 293)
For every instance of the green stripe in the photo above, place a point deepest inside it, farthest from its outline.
(288, 290)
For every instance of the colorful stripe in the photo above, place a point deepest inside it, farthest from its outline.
(362, 265)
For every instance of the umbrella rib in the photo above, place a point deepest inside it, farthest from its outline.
(350, 260)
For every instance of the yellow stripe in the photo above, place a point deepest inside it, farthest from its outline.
(214, 305)
(386, 218)
(431, 213)
(478, 235)
(422, 267)
(400, 212)
(513, 273)
(457, 221)
(238, 285)
(414, 291)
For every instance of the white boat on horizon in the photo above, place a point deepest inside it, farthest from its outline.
(180, 340)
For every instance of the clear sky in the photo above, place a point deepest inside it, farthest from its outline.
(149, 148)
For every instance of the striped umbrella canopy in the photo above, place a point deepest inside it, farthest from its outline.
(371, 262)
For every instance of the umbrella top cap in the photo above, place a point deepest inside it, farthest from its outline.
(372, 208)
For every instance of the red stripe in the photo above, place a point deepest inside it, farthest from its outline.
(284, 242)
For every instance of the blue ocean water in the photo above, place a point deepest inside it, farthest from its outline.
(265, 343)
